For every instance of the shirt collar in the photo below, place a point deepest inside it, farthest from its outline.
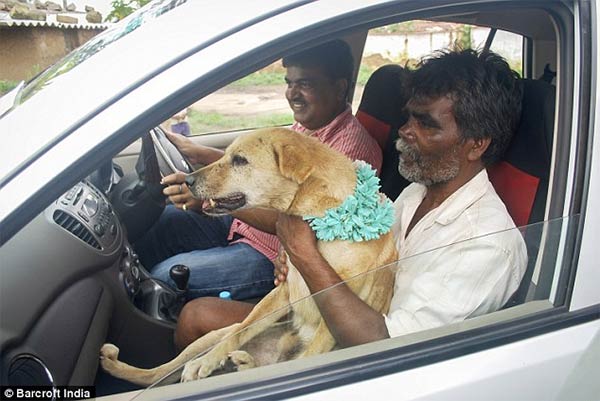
(459, 201)
(325, 132)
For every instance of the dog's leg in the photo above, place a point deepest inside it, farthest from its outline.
(109, 354)
(268, 311)
(321, 342)
(242, 360)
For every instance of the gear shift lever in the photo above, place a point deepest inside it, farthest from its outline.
(172, 301)
(180, 274)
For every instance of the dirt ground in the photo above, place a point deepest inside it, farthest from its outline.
(245, 101)
(251, 100)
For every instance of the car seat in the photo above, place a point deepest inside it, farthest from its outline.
(380, 112)
(522, 175)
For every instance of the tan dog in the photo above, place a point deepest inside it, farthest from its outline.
(297, 175)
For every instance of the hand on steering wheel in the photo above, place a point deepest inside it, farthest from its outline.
(179, 194)
(185, 146)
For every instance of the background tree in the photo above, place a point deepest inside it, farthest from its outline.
(122, 8)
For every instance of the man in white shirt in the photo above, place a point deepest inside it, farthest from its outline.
(464, 108)
(438, 283)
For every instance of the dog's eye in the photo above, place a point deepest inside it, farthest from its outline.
(238, 160)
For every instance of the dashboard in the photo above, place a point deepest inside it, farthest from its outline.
(70, 281)
(55, 289)
(86, 213)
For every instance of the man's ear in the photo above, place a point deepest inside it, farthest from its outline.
(341, 87)
(292, 161)
(477, 148)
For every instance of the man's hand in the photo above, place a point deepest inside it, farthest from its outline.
(297, 238)
(346, 314)
(196, 154)
(179, 194)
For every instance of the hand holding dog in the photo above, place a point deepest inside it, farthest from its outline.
(297, 238)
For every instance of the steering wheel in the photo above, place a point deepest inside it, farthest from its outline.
(138, 198)
(170, 160)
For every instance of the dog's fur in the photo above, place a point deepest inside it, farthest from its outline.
(297, 175)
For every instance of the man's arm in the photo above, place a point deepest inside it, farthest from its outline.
(262, 219)
(349, 319)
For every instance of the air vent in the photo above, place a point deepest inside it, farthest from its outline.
(75, 227)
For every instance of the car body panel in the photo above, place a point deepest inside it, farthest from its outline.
(495, 374)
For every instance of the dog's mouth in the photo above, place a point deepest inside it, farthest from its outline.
(225, 205)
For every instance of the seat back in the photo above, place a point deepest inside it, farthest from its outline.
(380, 112)
(521, 177)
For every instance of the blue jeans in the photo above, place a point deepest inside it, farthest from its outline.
(200, 242)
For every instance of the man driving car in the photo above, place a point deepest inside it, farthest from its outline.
(235, 253)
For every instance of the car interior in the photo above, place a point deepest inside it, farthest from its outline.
(58, 309)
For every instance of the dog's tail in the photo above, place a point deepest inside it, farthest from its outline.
(167, 373)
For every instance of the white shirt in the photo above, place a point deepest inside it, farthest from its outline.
(451, 267)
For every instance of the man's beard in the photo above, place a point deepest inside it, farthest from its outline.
(428, 170)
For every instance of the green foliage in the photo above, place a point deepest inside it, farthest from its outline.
(6, 86)
(122, 8)
(516, 65)
(201, 123)
(260, 78)
(464, 39)
(364, 72)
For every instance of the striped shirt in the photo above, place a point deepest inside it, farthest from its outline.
(344, 134)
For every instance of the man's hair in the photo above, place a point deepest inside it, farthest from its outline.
(334, 58)
(486, 94)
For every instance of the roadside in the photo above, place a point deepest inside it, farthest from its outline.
(245, 107)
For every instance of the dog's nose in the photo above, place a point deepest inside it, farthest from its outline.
(190, 180)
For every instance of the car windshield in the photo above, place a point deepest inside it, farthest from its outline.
(127, 25)
(540, 290)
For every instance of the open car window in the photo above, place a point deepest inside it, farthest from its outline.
(406, 43)
(254, 101)
(549, 245)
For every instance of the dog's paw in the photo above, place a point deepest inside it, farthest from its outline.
(196, 369)
(242, 360)
(109, 354)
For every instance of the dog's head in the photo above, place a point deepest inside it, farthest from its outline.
(275, 169)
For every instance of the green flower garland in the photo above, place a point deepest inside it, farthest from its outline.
(364, 216)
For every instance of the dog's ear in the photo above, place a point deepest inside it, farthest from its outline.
(293, 162)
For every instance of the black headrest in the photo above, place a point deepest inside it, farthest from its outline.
(521, 176)
(385, 94)
(531, 147)
(380, 112)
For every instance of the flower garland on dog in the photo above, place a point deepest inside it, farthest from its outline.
(363, 216)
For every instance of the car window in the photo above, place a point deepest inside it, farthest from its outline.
(254, 101)
(542, 287)
(405, 43)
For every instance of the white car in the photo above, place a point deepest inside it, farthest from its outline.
(72, 201)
